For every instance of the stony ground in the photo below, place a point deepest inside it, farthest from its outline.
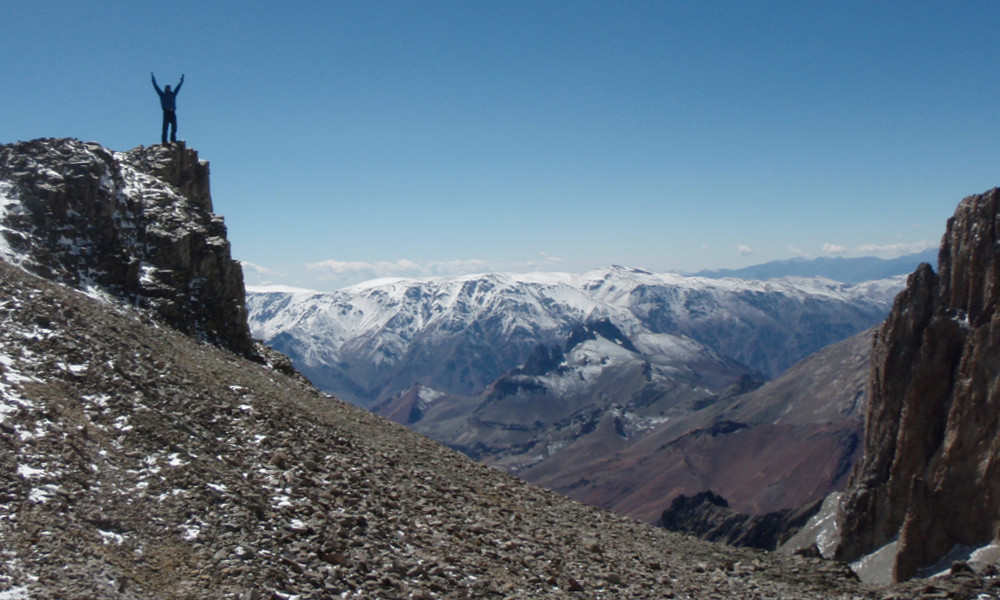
(135, 463)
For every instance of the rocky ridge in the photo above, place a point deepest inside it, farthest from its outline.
(138, 225)
(930, 476)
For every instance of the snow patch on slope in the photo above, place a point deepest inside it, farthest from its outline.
(8, 204)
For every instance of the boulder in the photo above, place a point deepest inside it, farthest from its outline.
(708, 516)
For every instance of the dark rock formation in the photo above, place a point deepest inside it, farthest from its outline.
(542, 360)
(930, 475)
(137, 224)
(708, 516)
(600, 327)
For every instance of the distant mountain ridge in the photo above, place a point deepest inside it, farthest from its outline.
(847, 270)
(456, 335)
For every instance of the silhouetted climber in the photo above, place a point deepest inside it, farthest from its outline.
(168, 102)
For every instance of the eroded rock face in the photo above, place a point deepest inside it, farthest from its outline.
(137, 224)
(931, 471)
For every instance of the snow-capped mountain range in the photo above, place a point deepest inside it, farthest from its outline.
(456, 335)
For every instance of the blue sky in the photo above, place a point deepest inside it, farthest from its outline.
(351, 140)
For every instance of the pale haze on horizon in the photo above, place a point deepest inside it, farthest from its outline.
(351, 141)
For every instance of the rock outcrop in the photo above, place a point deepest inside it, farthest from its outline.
(138, 225)
(930, 476)
(708, 516)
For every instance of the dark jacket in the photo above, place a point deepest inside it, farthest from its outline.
(168, 99)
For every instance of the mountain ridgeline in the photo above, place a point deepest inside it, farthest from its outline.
(457, 335)
(850, 270)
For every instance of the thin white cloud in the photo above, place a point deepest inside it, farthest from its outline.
(358, 270)
(894, 250)
(744, 250)
(833, 248)
(382, 268)
(795, 251)
(343, 273)
(255, 274)
(454, 267)
(544, 262)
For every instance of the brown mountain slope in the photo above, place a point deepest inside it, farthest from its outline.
(783, 445)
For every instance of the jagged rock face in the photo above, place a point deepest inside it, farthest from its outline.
(137, 224)
(931, 470)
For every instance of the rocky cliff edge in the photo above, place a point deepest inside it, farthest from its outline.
(930, 477)
(137, 225)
